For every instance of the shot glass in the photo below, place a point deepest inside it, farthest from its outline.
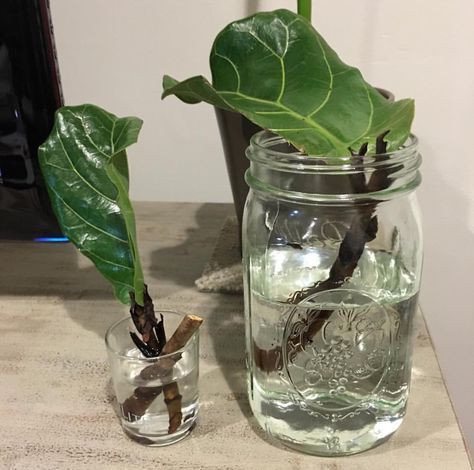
(157, 397)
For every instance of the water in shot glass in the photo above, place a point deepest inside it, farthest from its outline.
(139, 384)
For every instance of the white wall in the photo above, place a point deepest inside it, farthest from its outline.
(114, 52)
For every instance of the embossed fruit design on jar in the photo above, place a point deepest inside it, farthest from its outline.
(332, 273)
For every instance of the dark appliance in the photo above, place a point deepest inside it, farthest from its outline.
(30, 93)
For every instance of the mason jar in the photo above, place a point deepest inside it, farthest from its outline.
(332, 261)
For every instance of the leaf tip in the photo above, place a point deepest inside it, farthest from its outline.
(168, 82)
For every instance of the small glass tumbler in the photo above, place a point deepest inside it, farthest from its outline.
(157, 397)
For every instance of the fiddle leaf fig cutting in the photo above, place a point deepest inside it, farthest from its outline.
(85, 167)
(276, 69)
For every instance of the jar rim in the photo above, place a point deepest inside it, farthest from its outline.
(260, 150)
(280, 169)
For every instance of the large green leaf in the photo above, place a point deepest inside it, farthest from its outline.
(85, 167)
(276, 69)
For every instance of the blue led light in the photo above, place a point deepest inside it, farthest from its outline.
(51, 239)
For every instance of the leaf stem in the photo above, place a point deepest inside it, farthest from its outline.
(304, 9)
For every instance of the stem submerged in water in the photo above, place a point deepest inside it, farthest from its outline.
(304, 9)
(135, 406)
(363, 229)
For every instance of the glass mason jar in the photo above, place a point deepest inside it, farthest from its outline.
(332, 254)
(157, 396)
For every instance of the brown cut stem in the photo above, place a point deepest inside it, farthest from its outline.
(186, 329)
(173, 403)
(135, 406)
(147, 324)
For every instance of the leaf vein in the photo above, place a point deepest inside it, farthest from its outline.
(101, 111)
(57, 166)
(84, 220)
(280, 58)
(78, 173)
(95, 255)
(89, 138)
(371, 115)
(115, 141)
(233, 66)
(327, 134)
(331, 80)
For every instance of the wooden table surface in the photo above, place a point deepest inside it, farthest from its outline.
(56, 404)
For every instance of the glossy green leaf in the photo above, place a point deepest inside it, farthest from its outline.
(194, 90)
(276, 69)
(85, 167)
